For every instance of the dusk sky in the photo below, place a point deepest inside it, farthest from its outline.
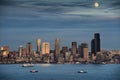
(23, 21)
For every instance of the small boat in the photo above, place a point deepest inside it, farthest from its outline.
(77, 63)
(27, 65)
(103, 63)
(34, 71)
(82, 71)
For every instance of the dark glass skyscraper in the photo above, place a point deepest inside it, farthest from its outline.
(95, 44)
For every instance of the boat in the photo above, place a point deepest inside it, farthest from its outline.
(77, 63)
(27, 65)
(103, 63)
(34, 71)
(82, 71)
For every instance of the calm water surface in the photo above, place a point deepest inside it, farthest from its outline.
(60, 72)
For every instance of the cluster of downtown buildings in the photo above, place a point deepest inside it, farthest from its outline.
(43, 54)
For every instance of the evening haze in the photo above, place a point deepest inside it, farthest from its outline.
(23, 21)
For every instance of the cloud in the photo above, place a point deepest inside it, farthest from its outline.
(47, 12)
(115, 4)
(83, 8)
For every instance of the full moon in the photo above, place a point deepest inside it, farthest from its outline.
(96, 4)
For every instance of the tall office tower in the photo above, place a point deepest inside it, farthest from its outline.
(64, 50)
(74, 48)
(29, 48)
(80, 51)
(20, 50)
(45, 48)
(57, 48)
(24, 52)
(95, 44)
(85, 51)
(38, 41)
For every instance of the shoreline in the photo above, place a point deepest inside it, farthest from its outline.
(60, 63)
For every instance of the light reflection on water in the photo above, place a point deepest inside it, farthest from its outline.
(45, 65)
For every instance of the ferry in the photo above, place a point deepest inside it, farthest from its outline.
(103, 63)
(34, 71)
(82, 71)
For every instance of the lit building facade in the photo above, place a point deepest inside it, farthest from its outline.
(45, 48)
(85, 51)
(38, 41)
(5, 51)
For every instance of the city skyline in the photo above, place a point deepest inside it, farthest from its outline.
(23, 21)
(57, 46)
(40, 42)
(77, 53)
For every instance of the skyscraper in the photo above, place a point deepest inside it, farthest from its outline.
(45, 48)
(64, 50)
(57, 48)
(29, 48)
(74, 48)
(95, 43)
(24, 52)
(93, 46)
(20, 50)
(84, 47)
(80, 51)
(38, 41)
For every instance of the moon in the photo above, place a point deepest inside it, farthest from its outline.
(96, 4)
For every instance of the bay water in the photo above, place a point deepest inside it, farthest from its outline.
(60, 72)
